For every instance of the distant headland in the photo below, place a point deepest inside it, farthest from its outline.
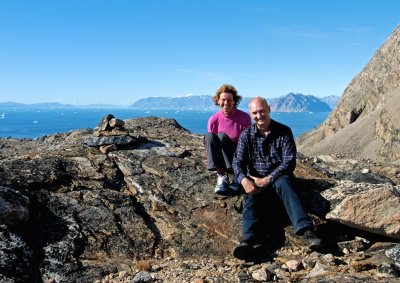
(292, 102)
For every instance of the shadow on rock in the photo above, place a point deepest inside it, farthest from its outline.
(310, 194)
(44, 234)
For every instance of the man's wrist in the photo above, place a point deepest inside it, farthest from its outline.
(269, 179)
(240, 179)
(249, 178)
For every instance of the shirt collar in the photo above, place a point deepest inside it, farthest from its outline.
(232, 112)
(254, 129)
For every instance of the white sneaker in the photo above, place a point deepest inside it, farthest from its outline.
(222, 185)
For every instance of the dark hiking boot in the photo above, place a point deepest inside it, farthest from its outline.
(258, 251)
(235, 187)
(312, 241)
(248, 251)
(244, 251)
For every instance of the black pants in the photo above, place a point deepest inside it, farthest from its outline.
(219, 150)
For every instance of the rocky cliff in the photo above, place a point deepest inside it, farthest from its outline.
(131, 201)
(292, 102)
(365, 123)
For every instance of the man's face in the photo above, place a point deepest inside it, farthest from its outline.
(226, 102)
(259, 112)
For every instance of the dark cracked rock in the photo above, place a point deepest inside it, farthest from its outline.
(151, 207)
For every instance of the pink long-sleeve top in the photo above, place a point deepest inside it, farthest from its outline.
(232, 125)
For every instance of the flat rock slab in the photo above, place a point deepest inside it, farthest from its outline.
(116, 140)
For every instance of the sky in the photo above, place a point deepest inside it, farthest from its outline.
(117, 52)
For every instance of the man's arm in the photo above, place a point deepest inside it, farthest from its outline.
(288, 158)
(240, 163)
(240, 159)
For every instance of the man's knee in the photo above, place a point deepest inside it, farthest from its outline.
(283, 182)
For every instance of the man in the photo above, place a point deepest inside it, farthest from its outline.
(224, 128)
(263, 163)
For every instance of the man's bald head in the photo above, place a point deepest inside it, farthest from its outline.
(259, 112)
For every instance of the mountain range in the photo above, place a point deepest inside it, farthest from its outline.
(292, 102)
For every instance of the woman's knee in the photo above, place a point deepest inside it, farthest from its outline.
(223, 137)
(210, 138)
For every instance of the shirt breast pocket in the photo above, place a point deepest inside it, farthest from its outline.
(275, 156)
(275, 161)
(261, 165)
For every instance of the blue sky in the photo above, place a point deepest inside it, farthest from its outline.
(116, 52)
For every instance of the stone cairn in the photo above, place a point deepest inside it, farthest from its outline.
(109, 126)
(111, 135)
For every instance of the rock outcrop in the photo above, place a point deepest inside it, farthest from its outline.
(146, 212)
(365, 123)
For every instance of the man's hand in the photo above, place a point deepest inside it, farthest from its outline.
(262, 183)
(250, 186)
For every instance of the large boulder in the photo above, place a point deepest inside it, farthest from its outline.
(370, 207)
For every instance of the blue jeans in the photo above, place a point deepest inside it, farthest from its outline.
(255, 209)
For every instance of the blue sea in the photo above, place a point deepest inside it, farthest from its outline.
(34, 123)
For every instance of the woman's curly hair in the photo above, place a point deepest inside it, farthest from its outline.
(228, 89)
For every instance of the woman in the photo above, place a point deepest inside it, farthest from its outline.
(224, 128)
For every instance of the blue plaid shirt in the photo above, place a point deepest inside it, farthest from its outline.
(261, 156)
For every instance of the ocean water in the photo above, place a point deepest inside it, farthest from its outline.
(34, 123)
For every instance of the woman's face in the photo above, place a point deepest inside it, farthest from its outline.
(226, 103)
